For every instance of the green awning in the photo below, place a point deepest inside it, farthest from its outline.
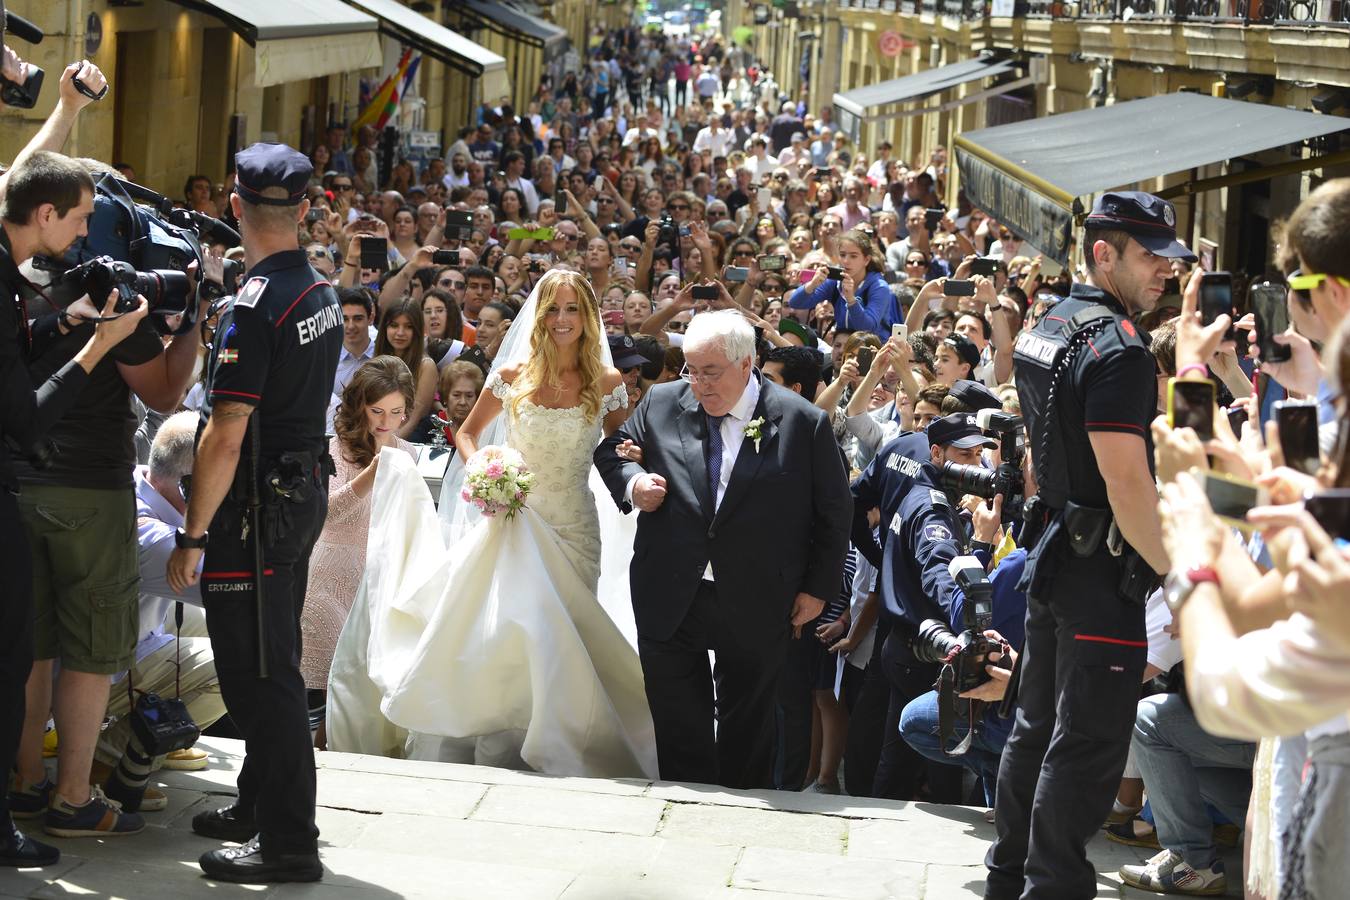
(1035, 176)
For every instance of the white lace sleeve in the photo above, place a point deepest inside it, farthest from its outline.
(615, 399)
(500, 389)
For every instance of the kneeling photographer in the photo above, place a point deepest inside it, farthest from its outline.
(937, 724)
(79, 502)
(923, 534)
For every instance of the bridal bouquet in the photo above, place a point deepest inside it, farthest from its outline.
(496, 480)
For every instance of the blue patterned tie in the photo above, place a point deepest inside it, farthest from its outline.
(714, 454)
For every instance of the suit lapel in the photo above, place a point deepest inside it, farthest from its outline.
(693, 428)
(749, 459)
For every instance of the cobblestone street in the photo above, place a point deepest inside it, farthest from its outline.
(394, 828)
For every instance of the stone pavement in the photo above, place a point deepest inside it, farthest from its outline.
(397, 828)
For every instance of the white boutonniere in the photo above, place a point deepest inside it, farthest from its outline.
(752, 431)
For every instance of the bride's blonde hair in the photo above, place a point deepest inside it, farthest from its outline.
(542, 368)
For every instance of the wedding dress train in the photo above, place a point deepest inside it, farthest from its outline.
(499, 644)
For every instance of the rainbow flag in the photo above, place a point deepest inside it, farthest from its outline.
(384, 102)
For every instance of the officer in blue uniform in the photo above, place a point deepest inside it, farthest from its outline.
(262, 466)
(922, 534)
(1085, 378)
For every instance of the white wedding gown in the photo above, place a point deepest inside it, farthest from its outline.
(496, 650)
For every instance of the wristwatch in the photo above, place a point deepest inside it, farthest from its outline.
(1178, 586)
(183, 542)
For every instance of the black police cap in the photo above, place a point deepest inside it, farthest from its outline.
(267, 165)
(1150, 220)
(958, 430)
(974, 395)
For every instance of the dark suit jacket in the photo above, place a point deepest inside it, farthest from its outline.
(782, 527)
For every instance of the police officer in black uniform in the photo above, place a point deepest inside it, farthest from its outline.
(1085, 378)
(922, 533)
(271, 374)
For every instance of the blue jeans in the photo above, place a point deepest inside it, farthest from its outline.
(919, 728)
(1184, 767)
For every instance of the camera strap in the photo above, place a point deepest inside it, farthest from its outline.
(177, 659)
(948, 712)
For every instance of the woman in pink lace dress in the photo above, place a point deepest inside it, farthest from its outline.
(374, 404)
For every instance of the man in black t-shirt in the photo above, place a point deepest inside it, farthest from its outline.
(272, 369)
(79, 511)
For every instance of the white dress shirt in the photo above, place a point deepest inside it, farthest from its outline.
(719, 143)
(733, 436)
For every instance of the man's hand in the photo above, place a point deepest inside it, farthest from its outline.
(992, 691)
(831, 633)
(1196, 345)
(89, 74)
(986, 519)
(1302, 372)
(804, 609)
(649, 492)
(182, 569)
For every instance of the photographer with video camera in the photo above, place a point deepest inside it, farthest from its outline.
(1087, 382)
(923, 533)
(48, 203)
(79, 505)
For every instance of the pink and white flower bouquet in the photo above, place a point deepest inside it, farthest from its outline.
(496, 480)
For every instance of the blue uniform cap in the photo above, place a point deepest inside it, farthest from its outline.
(625, 352)
(1150, 220)
(266, 165)
(958, 430)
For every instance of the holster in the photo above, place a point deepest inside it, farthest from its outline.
(1137, 578)
(292, 479)
(1085, 528)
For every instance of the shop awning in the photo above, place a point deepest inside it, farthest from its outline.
(878, 102)
(296, 40)
(1035, 176)
(435, 40)
(517, 24)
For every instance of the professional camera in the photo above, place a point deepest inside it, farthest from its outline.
(966, 653)
(139, 243)
(669, 234)
(1007, 479)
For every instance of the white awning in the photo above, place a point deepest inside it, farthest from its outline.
(416, 30)
(294, 40)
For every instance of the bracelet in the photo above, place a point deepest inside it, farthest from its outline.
(1197, 367)
(346, 263)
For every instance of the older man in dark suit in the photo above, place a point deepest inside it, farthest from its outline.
(745, 513)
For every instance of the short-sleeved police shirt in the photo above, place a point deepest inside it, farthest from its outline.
(1113, 388)
(276, 349)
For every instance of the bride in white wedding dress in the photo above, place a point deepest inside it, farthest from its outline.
(496, 650)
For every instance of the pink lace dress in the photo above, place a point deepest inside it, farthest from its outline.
(335, 568)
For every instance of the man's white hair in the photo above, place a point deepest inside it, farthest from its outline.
(727, 329)
(171, 454)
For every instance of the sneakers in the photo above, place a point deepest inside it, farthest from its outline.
(190, 760)
(29, 801)
(100, 817)
(1168, 873)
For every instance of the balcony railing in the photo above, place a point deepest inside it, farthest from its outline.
(1279, 12)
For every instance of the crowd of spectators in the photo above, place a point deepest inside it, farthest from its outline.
(674, 176)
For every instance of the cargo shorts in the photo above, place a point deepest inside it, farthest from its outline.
(86, 575)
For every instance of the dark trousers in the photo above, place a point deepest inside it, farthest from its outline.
(900, 770)
(16, 638)
(1079, 687)
(681, 92)
(277, 778)
(793, 713)
(680, 692)
(867, 696)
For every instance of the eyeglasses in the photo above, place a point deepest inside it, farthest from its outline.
(678, 207)
(916, 262)
(1310, 282)
(737, 254)
(342, 187)
(318, 254)
(705, 377)
(564, 236)
(677, 326)
(603, 200)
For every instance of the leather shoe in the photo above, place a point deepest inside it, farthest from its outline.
(22, 852)
(248, 865)
(229, 823)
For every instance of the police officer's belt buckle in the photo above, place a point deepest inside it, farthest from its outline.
(1115, 541)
